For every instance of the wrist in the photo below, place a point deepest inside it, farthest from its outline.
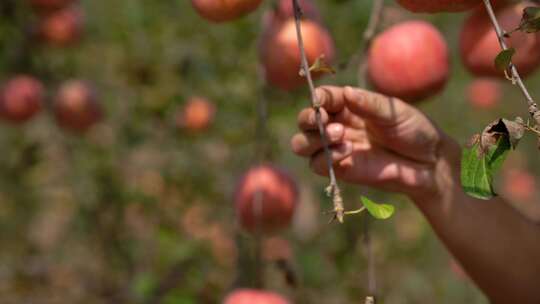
(445, 175)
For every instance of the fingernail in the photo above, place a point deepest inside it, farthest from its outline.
(345, 148)
(335, 131)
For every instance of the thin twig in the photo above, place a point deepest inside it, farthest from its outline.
(333, 189)
(532, 106)
(373, 23)
(369, 33)
(262, 137)
(368, 247)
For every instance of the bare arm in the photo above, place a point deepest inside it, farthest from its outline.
(386, 143)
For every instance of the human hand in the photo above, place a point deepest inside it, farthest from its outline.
(378, 141)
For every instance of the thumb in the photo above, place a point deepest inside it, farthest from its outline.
(376, 108)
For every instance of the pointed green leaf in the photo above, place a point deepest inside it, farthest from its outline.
(378, 211)
(478, 169)
(503, 60)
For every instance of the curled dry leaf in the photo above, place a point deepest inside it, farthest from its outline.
(319, 66)
(513, 130)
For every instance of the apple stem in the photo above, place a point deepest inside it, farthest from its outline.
(333, 189)
(532, 106)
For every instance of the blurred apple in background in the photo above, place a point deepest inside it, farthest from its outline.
(479, 44)
(280, 55)
(254, 296)
(409, 60)
(196, 115)
(21, 98)
(265, 199)
(62, 28)
(437, 6)
(519, 185)
(76, 106)
(283, 11)
(221, 11)
(484, 93)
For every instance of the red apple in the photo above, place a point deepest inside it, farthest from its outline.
(437, 6)
(224, 10)
(21, 98)
(409, 60)
(197, 114)
(265, 199)
(76, 107)
(62, 27)
(284, 11)
(519, 185)
(254, 296)
(479, 45)
(48, 5)
(484, 93)
(280, 55)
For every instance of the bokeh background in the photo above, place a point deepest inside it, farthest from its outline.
(138, 210)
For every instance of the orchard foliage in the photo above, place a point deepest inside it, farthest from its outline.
(146, 158)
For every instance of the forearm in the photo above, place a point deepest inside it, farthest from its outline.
(498, 247)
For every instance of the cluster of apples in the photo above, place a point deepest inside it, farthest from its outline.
(75, 104)
(278, 48)
(60, 22)
(479, 46)
(410, 60)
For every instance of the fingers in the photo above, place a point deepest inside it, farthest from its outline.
(377, 168)
(332, 102)
(319, 162)
(306, 144)
(307, 119)
(331, 98)
(377, 108)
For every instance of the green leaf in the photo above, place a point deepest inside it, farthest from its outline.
(478, 169)
(530, 22)
(503, 60)
(378, 211)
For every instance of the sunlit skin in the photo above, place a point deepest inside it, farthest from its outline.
(385, 143)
